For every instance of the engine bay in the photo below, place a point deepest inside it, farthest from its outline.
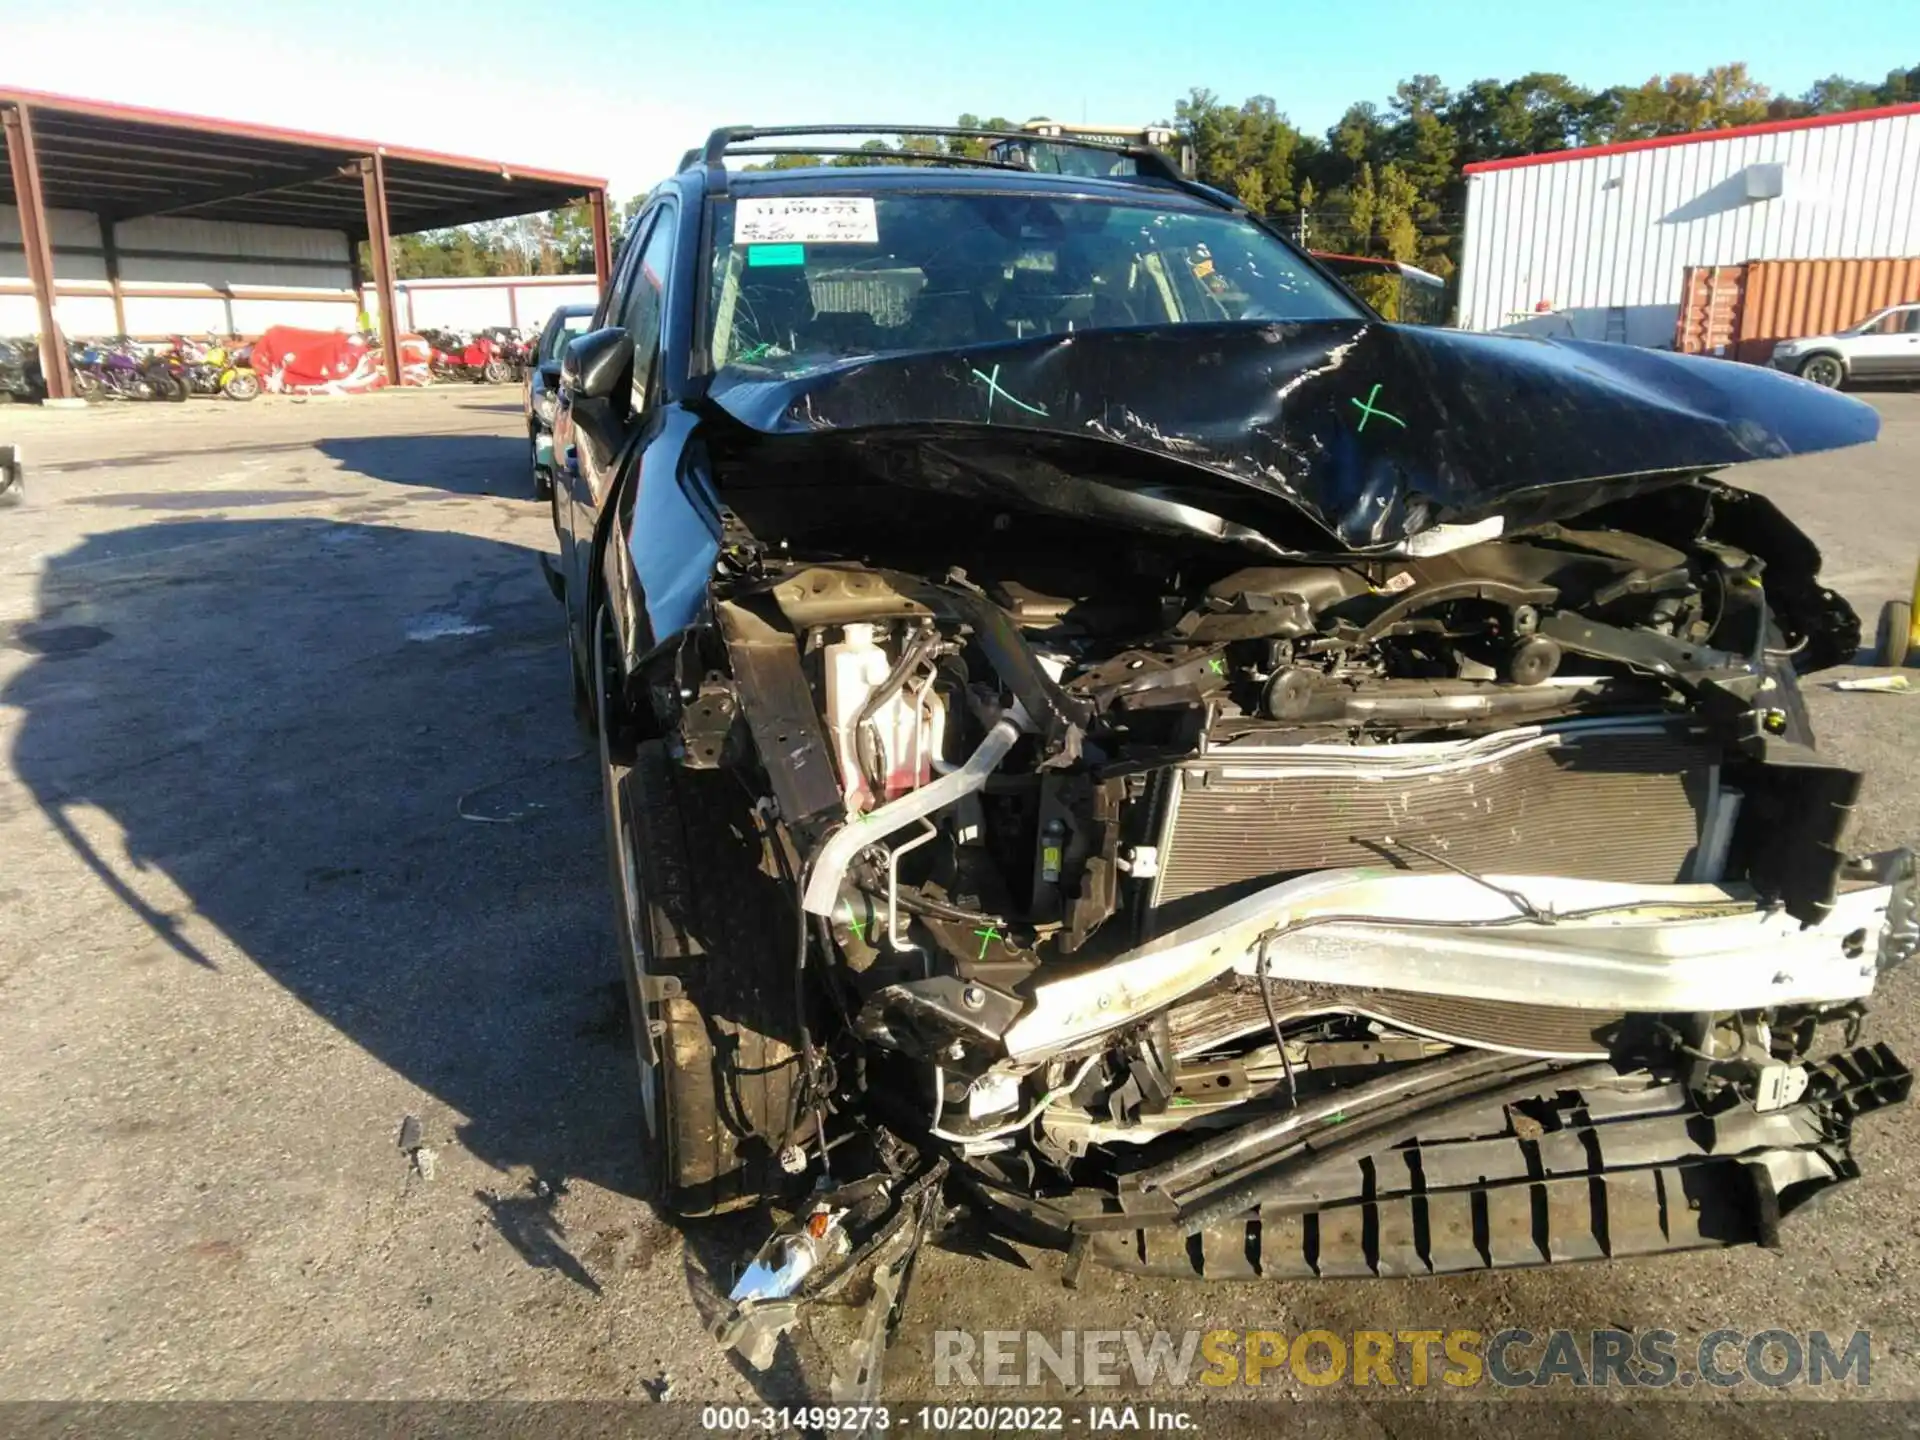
(1023, 763)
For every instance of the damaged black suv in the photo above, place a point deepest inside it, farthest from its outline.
(1227, 784)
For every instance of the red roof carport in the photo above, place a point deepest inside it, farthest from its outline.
(121, 162)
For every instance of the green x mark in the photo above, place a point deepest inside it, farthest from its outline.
(1217, 665)
(994, 387)
(987, 937)
(858, 926)
(1368, 410)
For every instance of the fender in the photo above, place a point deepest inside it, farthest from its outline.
(655, 579)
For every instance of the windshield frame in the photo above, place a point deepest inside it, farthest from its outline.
(709, 283)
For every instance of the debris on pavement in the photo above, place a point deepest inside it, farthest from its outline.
(1879, 684)
(412, 1144)
(813, 1257)
(511, 816)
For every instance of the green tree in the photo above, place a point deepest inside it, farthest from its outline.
(975, 149)
(1837, 93)
(1247, 150)
(1677, 104)
(1496, 119)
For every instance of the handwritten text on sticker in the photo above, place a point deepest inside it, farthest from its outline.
(806, 220)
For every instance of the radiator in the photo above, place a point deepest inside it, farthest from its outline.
(1591, 800)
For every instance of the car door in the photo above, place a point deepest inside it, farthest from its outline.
(1878, 349)
(636, 304)
(1906, 361)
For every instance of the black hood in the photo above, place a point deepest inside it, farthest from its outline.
(1376, 432)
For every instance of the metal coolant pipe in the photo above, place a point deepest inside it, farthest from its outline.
(830, 865)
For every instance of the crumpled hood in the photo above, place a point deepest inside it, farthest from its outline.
(1374, 431)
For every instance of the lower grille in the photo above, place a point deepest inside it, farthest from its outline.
(1599, 1174)
(1621, 804)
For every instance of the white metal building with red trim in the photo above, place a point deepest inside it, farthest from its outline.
(1595, 243)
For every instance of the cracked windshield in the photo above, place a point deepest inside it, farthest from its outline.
(803, 282)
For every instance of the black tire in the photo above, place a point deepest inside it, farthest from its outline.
(1824, 370)
(241, 385)
(699, 909)
(496, 372)
(1896, 628)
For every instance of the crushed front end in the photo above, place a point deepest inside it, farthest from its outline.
(1393, 915)
(1286, 874)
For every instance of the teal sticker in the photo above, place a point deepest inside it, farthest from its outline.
(776, 255)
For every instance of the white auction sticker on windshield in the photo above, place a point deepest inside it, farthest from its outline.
(807, 220)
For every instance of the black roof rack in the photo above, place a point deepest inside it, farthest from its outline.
(1149, 163)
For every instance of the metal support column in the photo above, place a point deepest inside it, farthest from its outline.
(602, 246)
(24, 162)
(356, 282)
(110, 262)
(373, 180)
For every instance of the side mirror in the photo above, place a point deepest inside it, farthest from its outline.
(597, 366)
(550, 374)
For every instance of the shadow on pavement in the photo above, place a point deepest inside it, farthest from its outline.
(350, 747)
(288, 719)
(464, 464)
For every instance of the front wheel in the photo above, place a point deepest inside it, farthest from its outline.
(1824, 370)
(706, 939)
(87, 384)
(241, 385)
(497, 372)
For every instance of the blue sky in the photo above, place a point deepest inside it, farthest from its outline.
(621, 89)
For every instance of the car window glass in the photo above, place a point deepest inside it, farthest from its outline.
(563, 329)
(644, 304)
(922, 270)
(1891, 323)
(1913, 320)
(616, 300)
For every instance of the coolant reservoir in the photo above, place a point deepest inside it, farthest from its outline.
(910, 723)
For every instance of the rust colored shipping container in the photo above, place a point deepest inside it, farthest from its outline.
(1709, 309)
(1743, 311)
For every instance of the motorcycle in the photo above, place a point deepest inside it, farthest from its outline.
(467, 357)
(515, 348)
(214, 369)
(117, 370)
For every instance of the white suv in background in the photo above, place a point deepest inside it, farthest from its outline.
(1884, 346)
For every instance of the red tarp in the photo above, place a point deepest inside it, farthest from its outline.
(302, 362)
